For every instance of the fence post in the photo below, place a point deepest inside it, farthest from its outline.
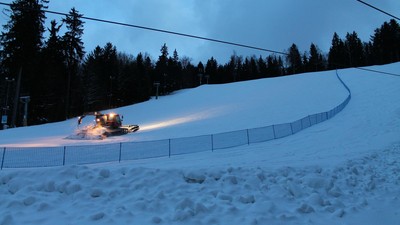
(273, 129)
(248, 137)
(120, 151)
(2, 159)
(169, 148)
(65, 148)
(291, 127)
(212, 142)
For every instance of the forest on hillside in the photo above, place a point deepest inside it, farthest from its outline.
(63, 79)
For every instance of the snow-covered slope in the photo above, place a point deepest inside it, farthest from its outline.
(343, 171)
(207, 109)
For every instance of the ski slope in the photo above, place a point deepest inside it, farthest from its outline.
(343, 171)
(208, 109)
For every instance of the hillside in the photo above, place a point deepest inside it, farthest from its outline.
(207, 109)
(342, 171)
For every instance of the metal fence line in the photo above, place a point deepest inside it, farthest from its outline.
(14, 157)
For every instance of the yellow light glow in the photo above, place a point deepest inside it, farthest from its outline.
(184, 119)
(166, 123)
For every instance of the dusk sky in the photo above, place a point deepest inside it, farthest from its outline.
(266, 24)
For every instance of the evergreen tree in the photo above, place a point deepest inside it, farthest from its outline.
(21, 42)
(200, 72)
(189, 73)
(74, 52)
(174, 72)
(246, 70)
(161, 70)
(295, 64)
(234, 67)
(316, 61)
(368, 51)
(145, 67)
(274, 66)
(211, 70)
(338, 57)
(355, 50)
(386, 43)
(253, 68)
(262, 66)
(250, 69)
(134, 83)
(94, 98)
(51, 101)
(305, 63)
(101, 78)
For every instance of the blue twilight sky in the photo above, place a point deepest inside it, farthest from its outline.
(271, 24)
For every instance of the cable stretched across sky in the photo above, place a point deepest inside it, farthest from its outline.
(380, 10)
(165, 31)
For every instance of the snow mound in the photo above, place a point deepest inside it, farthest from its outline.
(227, 195)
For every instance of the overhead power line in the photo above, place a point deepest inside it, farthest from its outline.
(165, 31)
(341, 66)
(380, 10)
(377, 71)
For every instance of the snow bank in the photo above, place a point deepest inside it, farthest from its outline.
(225, 195)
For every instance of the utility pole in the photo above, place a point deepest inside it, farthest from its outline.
(165, 83)
(157, 85)
(25, 100)
(201, 73)
(16, 98)
(4, 117)
(200, 78)
(207, 77)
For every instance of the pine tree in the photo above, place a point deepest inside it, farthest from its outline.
(386, 43)
(161, 69)
(368, 51)
(174, 72)
(21, 42)
(274, 66)
(338, 56)
(188, 69)
(102, 78)
(254, 71)
(134, 85)
(305, 62)
(52, 103)
(91, 67)
(211, 70)
(262, 66)
(234, 67)
(316, 61)
(74, 52)
(295, 64)
(354, 49)
(246, 69)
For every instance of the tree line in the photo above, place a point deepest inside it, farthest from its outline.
(62, 80)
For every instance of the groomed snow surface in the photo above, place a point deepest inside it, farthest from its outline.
(343, 171)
